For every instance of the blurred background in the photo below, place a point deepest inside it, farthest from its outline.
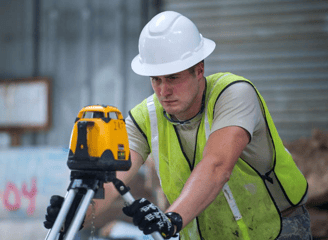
(58, 56)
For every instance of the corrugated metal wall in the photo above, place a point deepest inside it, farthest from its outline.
(84, 46)
(280, 45)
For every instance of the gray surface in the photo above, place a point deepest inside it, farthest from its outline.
(84, 46)
(281, 46)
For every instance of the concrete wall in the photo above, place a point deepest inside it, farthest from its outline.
(28, 177)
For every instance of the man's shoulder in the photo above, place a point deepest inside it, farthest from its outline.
(220, 81)
(240, 88)
(239, 94)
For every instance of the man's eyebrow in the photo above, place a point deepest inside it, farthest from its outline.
(167, 76)
(171, 75)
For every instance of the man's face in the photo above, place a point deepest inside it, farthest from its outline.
(181, 93)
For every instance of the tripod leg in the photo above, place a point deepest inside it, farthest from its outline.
(129, 199)
(52, 234)
(80, 214)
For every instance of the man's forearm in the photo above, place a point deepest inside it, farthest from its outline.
(220, 155)
(201, 189)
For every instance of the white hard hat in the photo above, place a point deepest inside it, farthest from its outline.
(170, 43)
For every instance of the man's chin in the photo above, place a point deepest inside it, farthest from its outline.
(171, 111)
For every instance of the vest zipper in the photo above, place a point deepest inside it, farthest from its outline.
(191, 166)
(182, 150)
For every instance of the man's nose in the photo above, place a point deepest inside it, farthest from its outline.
(165, 89)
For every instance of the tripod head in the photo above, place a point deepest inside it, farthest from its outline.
(99, 147)
(99, 140)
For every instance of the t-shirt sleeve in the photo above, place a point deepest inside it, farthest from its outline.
(238, 105)
(137, 140)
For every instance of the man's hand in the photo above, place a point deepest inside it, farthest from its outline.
(149, 218)
(53, 209)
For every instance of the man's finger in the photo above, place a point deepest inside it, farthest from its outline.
(48, 224)
(56, 201)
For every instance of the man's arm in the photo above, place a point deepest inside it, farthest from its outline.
(102, 206)
(221, 153)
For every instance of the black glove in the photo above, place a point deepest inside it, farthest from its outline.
(53, 210)
(149, 218)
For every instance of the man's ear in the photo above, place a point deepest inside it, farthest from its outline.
(200, 70)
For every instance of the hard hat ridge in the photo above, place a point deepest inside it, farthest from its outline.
(161, 23)
(170, 43)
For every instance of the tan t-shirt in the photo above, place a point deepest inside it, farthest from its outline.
(239, 106)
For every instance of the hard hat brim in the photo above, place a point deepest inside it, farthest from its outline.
(145, 69)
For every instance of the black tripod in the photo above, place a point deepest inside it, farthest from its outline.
(90, 185)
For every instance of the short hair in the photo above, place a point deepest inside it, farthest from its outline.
(192, 69)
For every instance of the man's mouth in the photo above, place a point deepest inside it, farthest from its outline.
(169, 101)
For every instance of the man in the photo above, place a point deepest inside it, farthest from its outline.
(221, 162)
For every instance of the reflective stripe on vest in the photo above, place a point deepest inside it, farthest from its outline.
(154, 133)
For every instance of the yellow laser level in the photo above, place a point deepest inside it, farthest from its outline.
(99, 140)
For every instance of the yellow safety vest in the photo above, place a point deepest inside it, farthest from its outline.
(244, 209)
